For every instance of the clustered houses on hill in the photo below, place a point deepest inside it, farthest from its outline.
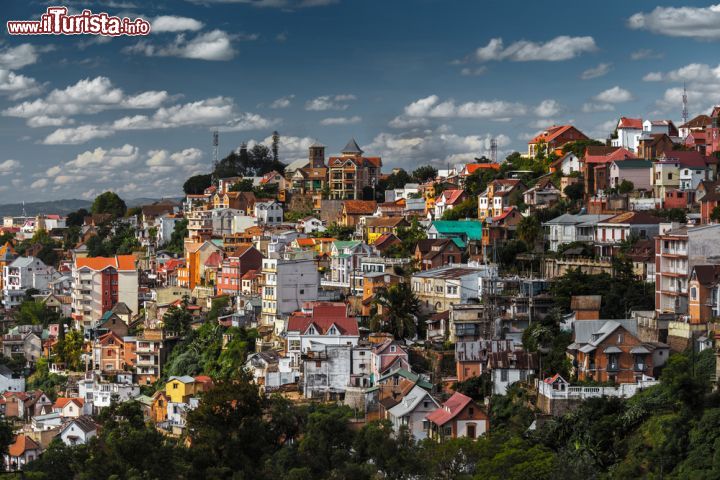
(375, 297)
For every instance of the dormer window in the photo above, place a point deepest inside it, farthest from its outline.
(332, 331)
(392, 349)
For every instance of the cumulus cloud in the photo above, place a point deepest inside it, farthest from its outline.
(432, 107)
(14, 58)
(106, 159)
(9, 165)
(473, 72)
(17, 86)
(695, 22)
(433, 146)
(40, 183)
(548, 108)
(614, 95)
(341, 120)
(559, 48)
(76, 135)
(174, 23)
(87, 96)
(248, 121)
(329, 102)
(601, 70)
(162, 161)
(282, 102)
(215, 45)
(702, 81)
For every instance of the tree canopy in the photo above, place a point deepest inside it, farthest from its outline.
(109, 203)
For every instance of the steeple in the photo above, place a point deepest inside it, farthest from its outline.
(352, 148)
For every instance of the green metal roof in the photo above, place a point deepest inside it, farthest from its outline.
(633, 164)
(471, 228)
(340, 244)
(413, 377)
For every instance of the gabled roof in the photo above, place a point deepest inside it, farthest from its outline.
(63, 401)
(411, 401)
(118, 262)
(687, 158)
(451, 197)
(471, 168)
(121, 308)
(707, 275)
(183, 379)
(408, 375)
(512, 360)
(450, 409)
(83, 422)
(615, 156)
(635, 123)
(323, 316)
(21, 445)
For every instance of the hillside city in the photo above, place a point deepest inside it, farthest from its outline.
(548, 315)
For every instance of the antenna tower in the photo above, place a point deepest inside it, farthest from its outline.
(493, 150)
(685, 109)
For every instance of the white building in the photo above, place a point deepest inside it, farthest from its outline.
(320, 323)
(100, 395)
(326, 370)
(411, 412)
(289, 282)
(310, 225)
(345, 264)
(165, 225)
(268, 213)
(568, 163)
(508, 367)
(629, 131)
(568, 228)
(9, 382)
(78, 431)
(402, 193)
(22, 274)
(438, 288)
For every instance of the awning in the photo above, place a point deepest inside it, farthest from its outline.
(640, 349)
(573, 346)
(587, 348)
(612, 350)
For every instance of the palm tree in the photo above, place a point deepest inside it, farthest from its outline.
(396, 310)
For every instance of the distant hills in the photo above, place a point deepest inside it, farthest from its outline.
(62, 207)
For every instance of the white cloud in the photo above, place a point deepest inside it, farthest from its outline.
(53, 171)
(40, 183)
(9, 165)
(437, 147)
(105, 159)
(645, 54)
(559, 48)
(696, 22)
(614, 95)
(653, 77)
(329, 102)
(341, 120)
(87, 96)
(282, 102)
(290, 148)
(702, 82)
(215, 45)
(173, 23)
(548, 108)
(432, 107)
(209, 111)
(597, 107)
(76, 135)
(473, 72)
(603, 130)
(161, 161)
(595, 72)
(14, 58)
(45, 121)
(17, 86)
(248, 121)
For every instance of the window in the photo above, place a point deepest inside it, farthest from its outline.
(471, 430)
(620, 338)
(503, 375)
(175, 386)
(693, 293)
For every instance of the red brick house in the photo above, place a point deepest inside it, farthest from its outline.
(554, 137)
(432, 253)
(460, 416)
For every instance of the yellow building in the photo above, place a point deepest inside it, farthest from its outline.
(180, 389)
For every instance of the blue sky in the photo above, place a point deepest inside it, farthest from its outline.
(415, 81)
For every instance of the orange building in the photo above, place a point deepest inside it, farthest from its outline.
(702, 287)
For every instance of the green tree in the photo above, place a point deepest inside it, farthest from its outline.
(424, 173)
(197, 184)
(397, 179)
(109, 203)
(275, 144)
(626, 186)
(70, 348)
(337, 231)
(575, 191)
(33, 312)
(177, 320)
(244, 185)
(176, 244)
(468, 208)
(396, 310)
(529, 230)
(76, 219)
(715, 214)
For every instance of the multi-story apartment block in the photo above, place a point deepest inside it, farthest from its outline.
(22, 274)
(234, 268)
(288, 282)
(99, 283)
(497, 197)
(150, 354)
(350, 173)
(569, 228)
(268, 212)
(345, 264)
(677, 250)
(439, 288)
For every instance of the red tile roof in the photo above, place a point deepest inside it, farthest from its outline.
(471, 168)
(687, 158)
(450, 409)
(22, 444)
(451, 196)
(119, 262)
(63, 401)
(630, 123)
(614, 156)
(323, 316)
(360, 207)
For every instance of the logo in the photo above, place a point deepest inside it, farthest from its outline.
(56, 21)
